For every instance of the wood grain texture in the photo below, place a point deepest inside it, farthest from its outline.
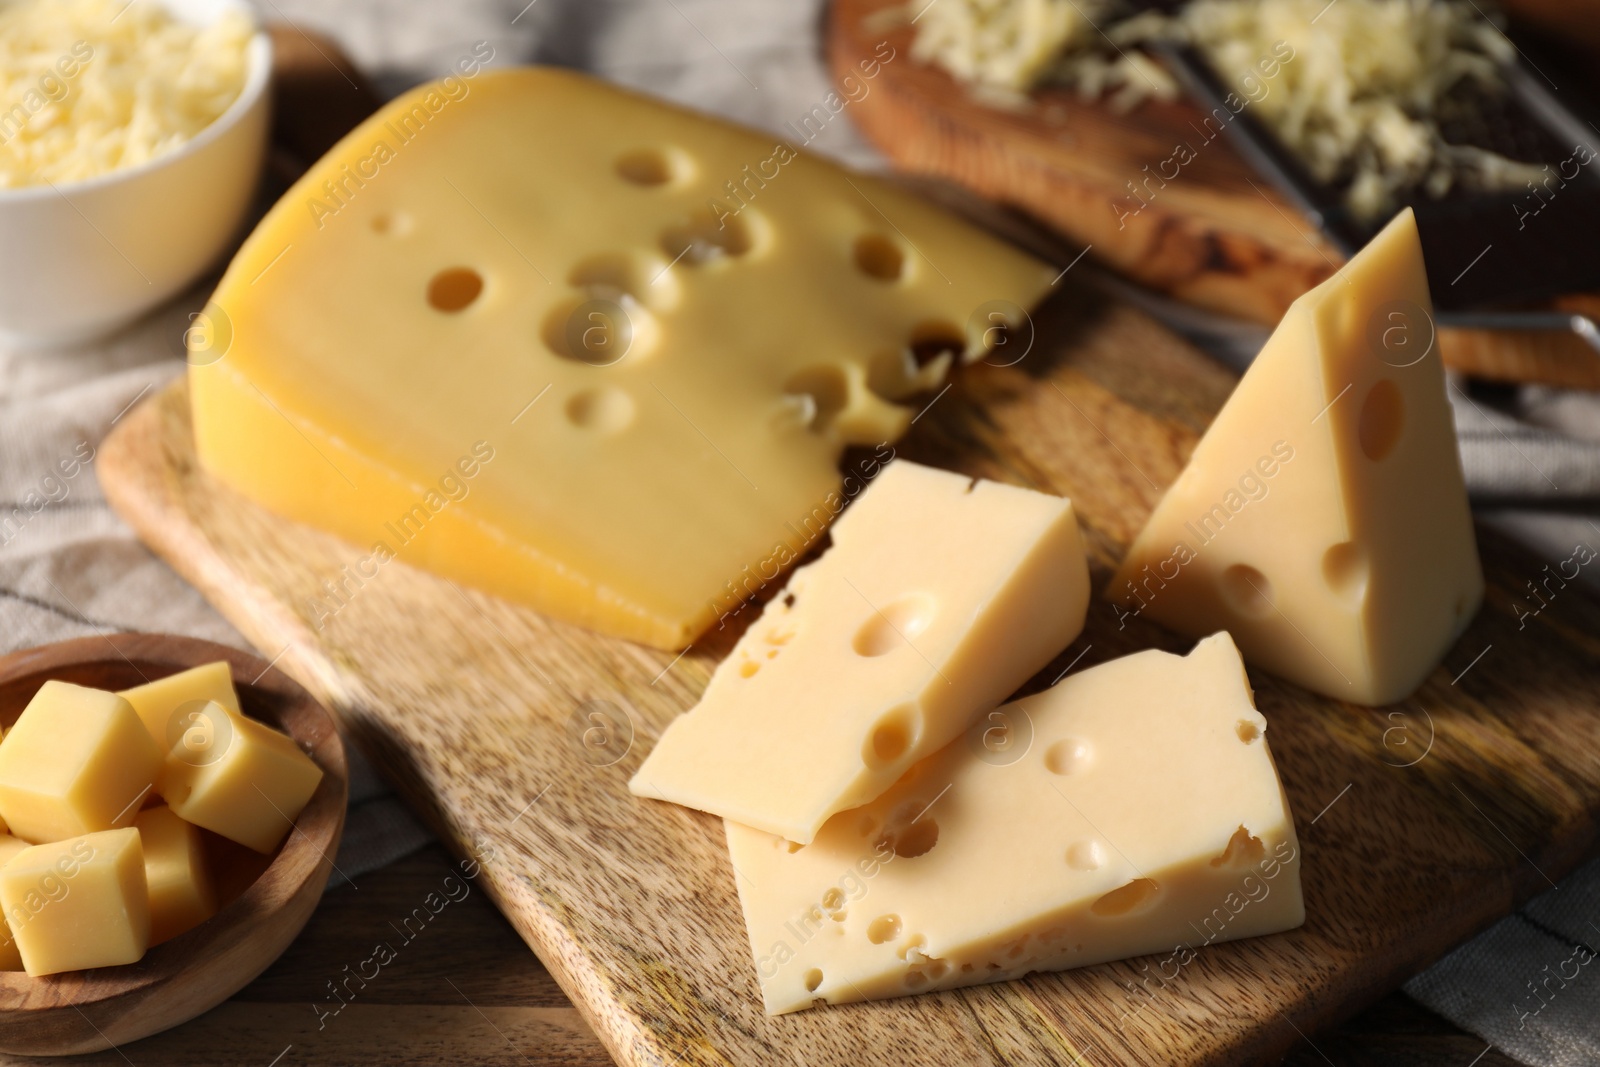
(1217, 235)
(265, 905)
(476, 708)
(466, 990)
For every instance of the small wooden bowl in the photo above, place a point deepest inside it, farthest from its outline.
(87, 1011)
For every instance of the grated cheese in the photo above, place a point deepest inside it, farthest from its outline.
(92, 86)
(1357, 103)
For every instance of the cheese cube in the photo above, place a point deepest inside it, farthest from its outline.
(158, 703)
(10, 958)
(940, 596)
(182, 895)
(1323, 520)
(1146, 816)
(238, 778)
(628, 342)
(78, 903)
(78, 760)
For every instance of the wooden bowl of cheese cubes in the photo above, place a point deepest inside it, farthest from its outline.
(171, 809)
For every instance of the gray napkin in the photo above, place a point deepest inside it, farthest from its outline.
(68, 567)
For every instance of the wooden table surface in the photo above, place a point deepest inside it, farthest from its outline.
(462, 988)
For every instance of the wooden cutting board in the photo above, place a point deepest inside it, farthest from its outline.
(1420, 823)
(1217, 235)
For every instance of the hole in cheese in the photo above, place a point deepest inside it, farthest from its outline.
(453, 288)
(705, 238)
(891, 737)
(879, 257)
(930, 340)
(915, 840)
(1085, 855)
(1382, 417)
(1067, 757)
(1244, 850)
(1248, 730)
(390, 223)
(604, 410)
(1126, 899)
(1247, 589)
(883, 928)
(623, 278)
(1344, 568)
(826, 388)
(894, 626)
(813, 980)
(648, 166)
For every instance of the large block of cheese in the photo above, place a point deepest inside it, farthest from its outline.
(79, 903)
(1146, 816)
(1322, 520)
(158, 703)
(580, 347)
(78, 760)
(238, 778)
(940, 596)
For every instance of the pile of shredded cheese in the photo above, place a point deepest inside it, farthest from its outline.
(92, 86)
(1357, 103)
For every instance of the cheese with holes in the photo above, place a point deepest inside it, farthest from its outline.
(78, 760)
(1139, 812)
(162, 704)
(78, 903)
(182, 895)
(581, 348)
(1323, 520)
(940, 596)
(239, 778)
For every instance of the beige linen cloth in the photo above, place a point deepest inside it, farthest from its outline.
(69, 567)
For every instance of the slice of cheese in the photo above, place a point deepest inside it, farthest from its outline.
(1146, 816)
(1322, 520)
(580, 347)
(940, 596)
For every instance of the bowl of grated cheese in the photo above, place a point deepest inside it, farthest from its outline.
(132, 135)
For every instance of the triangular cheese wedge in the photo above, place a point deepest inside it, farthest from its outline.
(1322, 520)
(580, 347)
(939, 597)
(1144, 816)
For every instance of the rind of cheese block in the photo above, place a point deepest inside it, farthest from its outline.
(77, 761)
(1323, 519)
(415, 349)
(939, 597)
(10, 958)
(156, 702)
(182, 895)
(79, 903)
(1146, 816)
(239, 778)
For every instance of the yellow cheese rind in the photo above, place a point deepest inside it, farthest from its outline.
(77, 761)
(1153, 768)
(78, 903)
(157, 702)
(636, 497)
(939, 597)
(238, 778)
(1322, 519)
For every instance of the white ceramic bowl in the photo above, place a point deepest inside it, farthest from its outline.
(82, 258)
